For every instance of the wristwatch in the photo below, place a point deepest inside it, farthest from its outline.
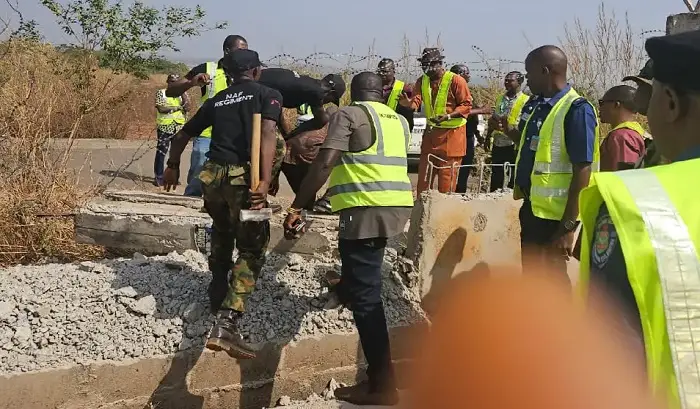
(570, 225)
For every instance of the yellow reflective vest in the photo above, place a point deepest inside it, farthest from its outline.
(657, 220)
(438, 106)
(552, 171)
(514, 114)
(633, 125)
(218, 84)
(175, 117)
(396, 90)
(377, 176)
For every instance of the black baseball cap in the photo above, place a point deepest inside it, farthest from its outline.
(337, 84)
(645, 75)
(676, 59)
(242, 59)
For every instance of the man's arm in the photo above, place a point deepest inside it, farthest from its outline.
(202, 120)
(186, 103)
(463, 97)
(318, 174)
(413, 102)
(179, 87)
(337, 141)
(515, 131)
(268, 144)
(580, 139)
(319, 120)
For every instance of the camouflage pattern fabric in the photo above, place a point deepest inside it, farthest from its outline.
(226, 192)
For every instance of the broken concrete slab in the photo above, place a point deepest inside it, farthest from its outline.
(452, 234)
(159, 223)
(202, 379)
(680, 23)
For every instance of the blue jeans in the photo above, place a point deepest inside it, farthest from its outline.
(200, 147)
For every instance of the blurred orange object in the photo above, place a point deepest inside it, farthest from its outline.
(520, 342)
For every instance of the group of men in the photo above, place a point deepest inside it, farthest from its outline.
(640, 235)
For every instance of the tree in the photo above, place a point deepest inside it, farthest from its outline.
(129, 39)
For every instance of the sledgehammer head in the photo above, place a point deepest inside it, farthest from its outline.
(256, 215)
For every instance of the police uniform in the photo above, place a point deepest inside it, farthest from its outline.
(225, 181)
(640, 241)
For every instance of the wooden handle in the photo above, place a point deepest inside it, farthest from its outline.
(255, 152)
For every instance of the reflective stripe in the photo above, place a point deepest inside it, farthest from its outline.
(373, 160)
(557, 138)
(544, 167)
(379, 131)
(679, 274)
(543, 191)
(211, 71)
(369, 187)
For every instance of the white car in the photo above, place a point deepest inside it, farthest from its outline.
(419, 124)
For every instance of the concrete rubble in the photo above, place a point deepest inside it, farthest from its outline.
(64, 314)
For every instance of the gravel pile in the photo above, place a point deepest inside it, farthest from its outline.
(61, 314)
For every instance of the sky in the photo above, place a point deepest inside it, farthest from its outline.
(504, 29)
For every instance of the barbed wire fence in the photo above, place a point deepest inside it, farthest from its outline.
(407, 66)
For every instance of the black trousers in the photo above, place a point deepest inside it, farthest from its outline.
(295, 174)
(501, 155)
(360, 289)
(535, 243)
(468, 159)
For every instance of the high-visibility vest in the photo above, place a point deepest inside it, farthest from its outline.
(657, 221)
(377, 176)
(218, 84)
(552, 171)
(515, 110)
(396, 90)
(633, 125)
(175, 117)
(304, 113)
(438, 107)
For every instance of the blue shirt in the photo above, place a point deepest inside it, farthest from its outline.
(579, 132)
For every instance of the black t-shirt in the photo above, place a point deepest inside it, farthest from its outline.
(202, 69)
(230, 113)
(296, 89)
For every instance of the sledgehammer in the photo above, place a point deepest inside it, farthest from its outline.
(264, 213)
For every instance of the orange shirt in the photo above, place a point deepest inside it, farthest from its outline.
(446, 143)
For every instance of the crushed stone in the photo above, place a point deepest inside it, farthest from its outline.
(55, 315)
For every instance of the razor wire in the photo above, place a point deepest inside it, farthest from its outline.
(407, 65)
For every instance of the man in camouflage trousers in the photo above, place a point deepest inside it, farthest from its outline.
(226, 185)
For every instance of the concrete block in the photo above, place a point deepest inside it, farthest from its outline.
(680, 23)
(450, 234)
(201, 379)
(159, 223)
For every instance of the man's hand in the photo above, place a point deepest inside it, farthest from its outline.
(405, 100)
(442, 118)
(258, 197)
(201, 80)
(496, 124)
(170, 177)
(290, 224)
(564, 240)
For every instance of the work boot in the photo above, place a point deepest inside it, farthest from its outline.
(218, 287)
(225, 336)
(363, 394)
(323, 206)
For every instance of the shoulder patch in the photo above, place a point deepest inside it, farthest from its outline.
(604, 241)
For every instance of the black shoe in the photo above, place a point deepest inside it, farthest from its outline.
(218, 288)
(323, 206)
(363, 395)
(225, 336)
